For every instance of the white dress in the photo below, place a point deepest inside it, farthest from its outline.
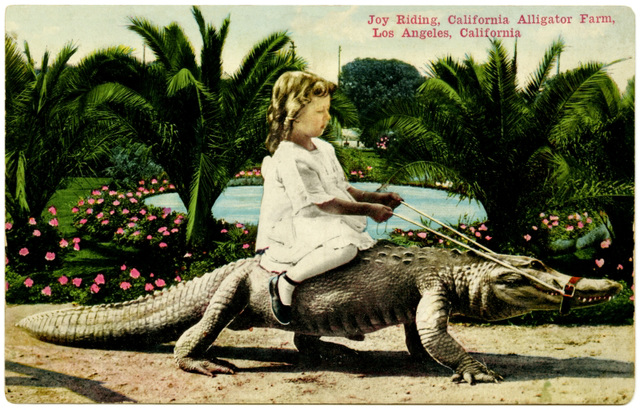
(290, 224)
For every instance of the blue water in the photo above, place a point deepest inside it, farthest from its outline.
(242, 204)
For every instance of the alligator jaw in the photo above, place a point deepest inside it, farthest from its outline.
(590, 292)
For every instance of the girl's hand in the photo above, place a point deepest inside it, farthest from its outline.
(379, 213)
(391, 199)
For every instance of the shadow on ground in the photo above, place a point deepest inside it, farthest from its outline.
(35, 377)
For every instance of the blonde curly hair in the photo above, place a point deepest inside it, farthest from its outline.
(291, 93)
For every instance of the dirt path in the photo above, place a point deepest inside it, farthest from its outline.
(541, 365)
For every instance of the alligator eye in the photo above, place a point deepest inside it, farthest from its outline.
(537, 265)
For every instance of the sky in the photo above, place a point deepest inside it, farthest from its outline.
(331, 36)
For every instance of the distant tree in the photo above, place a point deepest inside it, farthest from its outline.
(371, 83)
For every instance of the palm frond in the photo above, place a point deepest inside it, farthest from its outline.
(541, 75)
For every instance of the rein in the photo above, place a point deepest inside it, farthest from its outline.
(566, 293)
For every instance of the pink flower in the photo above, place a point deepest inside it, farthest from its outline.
(105, 222)
(89, 211)
(28, 282)
(620, 267)
(151, 217)
(166, 233)
(83, 221)
(32, 221)
(160, 283)
(569, 228)
(239, 225)
(224, 231)
(133, 200)
(482, 227)
(52, 210)
(47, 291)
(63, 280)
(74, 210)
(245, 246)
(76, 282)
(535, 228)
(580, 225)
(123, 267)
(8, 226)
(154, 181)
(53, 222)
(135, 274)
(178, 279)
(527, 237)
(125, 285)
(143, 212)
(162, 245)
(95, 288)
(36, 232)
(164, 228)
(463, 226)
(99, 280)
(488, 238)
(599, 262)
(119, 231)
(91, 201)
(423, 235)
(136, 233)
(76, 246)
(605, 244)
(76, 240)
(64, 243)
(50, 256)
(116, 203)
(100, 215)
(149, 237)
(23, 252)
(148, 286)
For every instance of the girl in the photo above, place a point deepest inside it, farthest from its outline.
(311, 219)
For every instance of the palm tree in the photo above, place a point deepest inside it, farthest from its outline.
(471, 124)
(48, 132)
(205, 125)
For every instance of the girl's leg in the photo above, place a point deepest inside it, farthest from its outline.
(318, 261)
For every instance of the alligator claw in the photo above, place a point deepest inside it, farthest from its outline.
(486, 376)
(207, 367)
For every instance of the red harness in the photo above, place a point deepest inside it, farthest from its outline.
(569, 291)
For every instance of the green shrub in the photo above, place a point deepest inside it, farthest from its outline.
(129, 249)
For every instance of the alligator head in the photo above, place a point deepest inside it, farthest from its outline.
(535, 286)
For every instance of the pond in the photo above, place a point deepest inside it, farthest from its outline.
(242, 204)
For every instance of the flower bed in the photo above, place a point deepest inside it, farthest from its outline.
(128, 250)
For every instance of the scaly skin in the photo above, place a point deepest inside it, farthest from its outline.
(385, 286)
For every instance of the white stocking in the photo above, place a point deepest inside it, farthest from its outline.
(318, 261)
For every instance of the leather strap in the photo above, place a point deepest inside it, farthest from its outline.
(567, 297)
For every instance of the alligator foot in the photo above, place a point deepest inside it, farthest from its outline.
(206, 367)
(475, 372)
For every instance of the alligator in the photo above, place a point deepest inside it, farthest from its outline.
(386, 285)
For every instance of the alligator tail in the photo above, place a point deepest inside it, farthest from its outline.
(157, 318)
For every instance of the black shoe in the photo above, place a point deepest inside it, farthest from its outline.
(281, 312)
